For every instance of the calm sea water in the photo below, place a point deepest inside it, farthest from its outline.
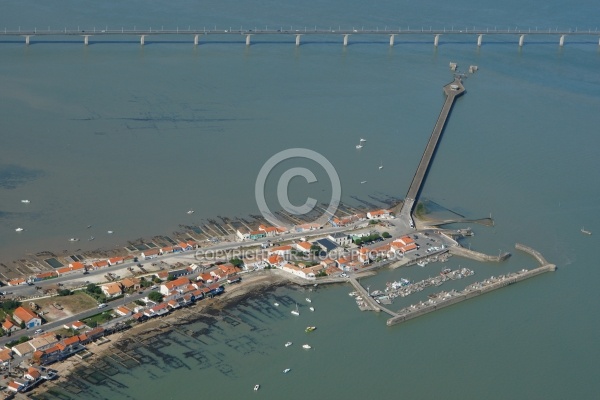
(127, 138)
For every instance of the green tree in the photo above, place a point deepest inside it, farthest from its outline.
(156, 279)
(155, 296)
(9, 305)
(145, 283)
(64, 292)
(93, 288)
(315, 249)
(22, 325)
(386, 235)
(236, 262)
(170, 278)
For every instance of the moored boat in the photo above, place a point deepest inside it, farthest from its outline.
(295, 312)
(288, 344)
(19, 230)
(256, 387)
(285, 371)
(310, 328)
(306, 346)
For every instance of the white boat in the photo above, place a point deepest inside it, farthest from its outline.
(363, 140)
(25, 201)
(288, 344)
(311, 308)
(585, 232)
(359, 146)
(74, 240)
(381, 166)
(276, 304)
(295, 312)
(285, 371)
(190, 212)
(306, 346)
(110, 232)
(256, 387)
(91, 238)
(19, 230)
(309, 300)
(363, 182)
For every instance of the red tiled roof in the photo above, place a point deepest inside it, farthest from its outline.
(24, 314)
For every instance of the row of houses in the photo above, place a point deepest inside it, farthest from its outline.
(77, 266)
(263, 231)
(178, 293)
(347, 261)
(159, 251)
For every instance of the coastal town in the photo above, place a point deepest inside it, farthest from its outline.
(72, 304)
(42, 327)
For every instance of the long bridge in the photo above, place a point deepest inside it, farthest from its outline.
(452, 91)
(391, 34)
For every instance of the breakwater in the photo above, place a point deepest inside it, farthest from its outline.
(446, 299)
(475, 255)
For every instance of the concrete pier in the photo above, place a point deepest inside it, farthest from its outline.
(346, 40)
(479, 40)
(436, 40)
(372, 304)
(298, 39)
(521, 40)
(248, 40)
(392, 38)
(27, 40)
(561, 42)
(86, 39)
(142, 39)
(196, 40)
(452, 91)
(365, 295)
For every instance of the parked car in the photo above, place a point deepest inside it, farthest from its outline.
(102, 305)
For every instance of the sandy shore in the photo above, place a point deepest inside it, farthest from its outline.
(251, 283)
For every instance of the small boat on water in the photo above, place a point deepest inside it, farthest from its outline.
(585, 232)
(285, 371)
(309, 300)
(190, 212)
(362, 140)
(110, 232)
(295, 312)
(91, 238)
(311, 308)
(310, 328)
(276, 304)
(19, 230)
(25, 201)
(256, 387)
(288, 344)
(74, 240)
(363, 182)
(306, 346)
